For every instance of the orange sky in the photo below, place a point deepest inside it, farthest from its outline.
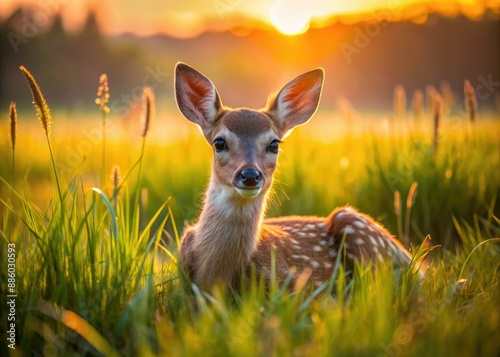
(188, 18)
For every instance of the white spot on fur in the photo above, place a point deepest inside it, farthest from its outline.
(381, 241)
(328, 265)
(339, 215)
(375, 249)
(295, 256)
(348, 230)
(380, 257)
(371, 229)
(314, 264)
(351, 256)
(359, 224)
(301, 234)
(393, 246)
(333, 253)
(312, 235)
(359, 241)
(323, 242)
(331, 241)
(293, 241)
(310, 226)
(324, 234)
(305, 257)
(317, 248)
(374, 242)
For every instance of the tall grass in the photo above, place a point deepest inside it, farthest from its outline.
(98, 284)
(102, 101)
(13, 136)
(45, 118)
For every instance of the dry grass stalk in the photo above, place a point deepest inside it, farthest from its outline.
(116, 178)
(399, 101)
(43, 113)
(13, 125)
(103, 93)
(436, 111)
(397, 203)
(430, 92)
(448, 95)
(148, 110)
(397, 211)
(470, 100)
(102, 101)
(418, 104)
(410, 201)
(42, 109)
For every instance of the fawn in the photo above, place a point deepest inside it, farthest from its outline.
(231, 233)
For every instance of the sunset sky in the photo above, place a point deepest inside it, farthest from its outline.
(190, 18)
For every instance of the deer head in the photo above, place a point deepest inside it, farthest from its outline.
(245, 141)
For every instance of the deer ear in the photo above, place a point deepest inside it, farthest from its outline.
(297, 102)
(196, 96)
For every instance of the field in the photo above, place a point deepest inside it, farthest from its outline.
(97, 273)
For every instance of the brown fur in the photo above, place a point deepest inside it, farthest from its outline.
(231, 234)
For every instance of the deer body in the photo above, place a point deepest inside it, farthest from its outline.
(231, 232)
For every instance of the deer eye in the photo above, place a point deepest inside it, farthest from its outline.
(220, 145)
(274, 146)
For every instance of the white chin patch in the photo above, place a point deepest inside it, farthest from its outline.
(248, 193)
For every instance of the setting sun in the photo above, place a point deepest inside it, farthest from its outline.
(290, 17)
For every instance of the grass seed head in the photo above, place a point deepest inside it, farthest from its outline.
(430, 92)
(410, 199)
(470, 100)
(399, 100)
(103, 93)
(13, 125)
(148, 110)
(42, 109)
(397, 203)
(116, 178)
(418, 103)
(437, 108)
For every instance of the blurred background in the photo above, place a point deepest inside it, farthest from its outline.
(248, 48)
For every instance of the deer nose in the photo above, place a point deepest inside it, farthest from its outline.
(250, 177)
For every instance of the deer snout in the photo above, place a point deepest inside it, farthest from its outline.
(250, 177)
(248, 182)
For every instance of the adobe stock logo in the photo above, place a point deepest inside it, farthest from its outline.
(363, 34)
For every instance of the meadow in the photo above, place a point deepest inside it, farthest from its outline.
(97, 268)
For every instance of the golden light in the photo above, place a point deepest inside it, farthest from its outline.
(290, 17)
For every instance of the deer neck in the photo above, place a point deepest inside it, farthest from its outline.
(227, 234)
